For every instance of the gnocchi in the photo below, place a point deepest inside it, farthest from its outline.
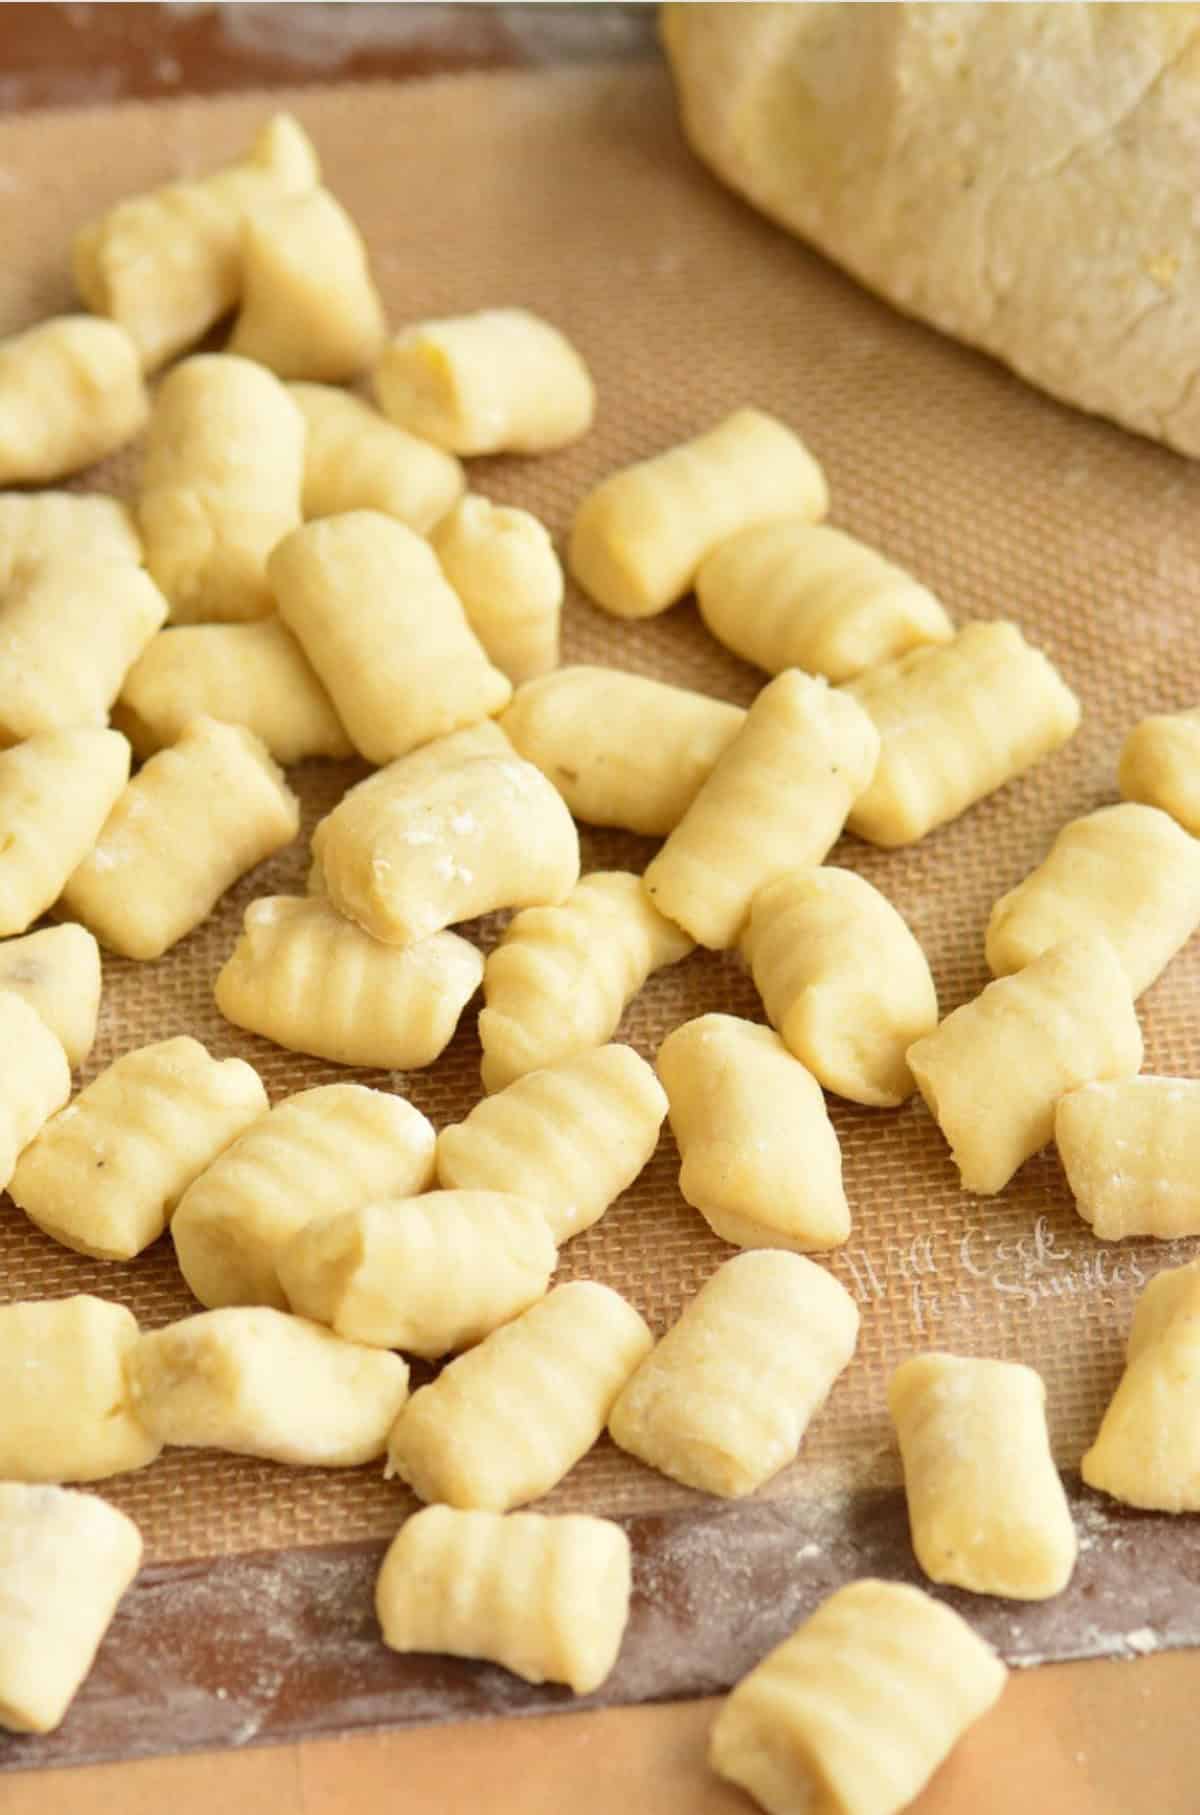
(723, 1401)
(777, 798)
(1160, 765)
(639, 537)
(956, 721)
(71, 392)
(384, 630)
(57, 972)
(1147, 1450)
(38, 526)
(843, 980)
(760, 1158)
(104, 1175)
(67, 1414)
(35, 1078)
(570, 1137)
(547, 1598)
(1131, 1151)
(56, 791)
(502, 565)
(794, 594)
(994, 1070)
(355, 459)
(507, 1420)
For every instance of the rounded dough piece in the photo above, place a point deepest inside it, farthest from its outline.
(71, 392)
(309, 306)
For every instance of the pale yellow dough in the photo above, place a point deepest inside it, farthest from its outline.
(168, 265)
(1131, 1152)
(561, 977)
(56, 791)
(40, 526)
(956, 721)
(385, 632)
(985, 1504)
(777, 798)
(501, 563)
(547, 1598)
(1160, 764)
(57, 971)
(255, 675)
(423, 1274)
(193, 820)
(65, 1561)
(71, 392)
(105, 1174)
(355, 459)
(307, 978)
(442, 847)
(1147, 1451)
(310, 308)
(842, 979)
(793, 594)
(258, 1382)
(1127, 873)
(67, 1411)
(639, 537)
(507, 1420)
(760, 1158)
(221, 484)
(993, 1072)
(621, 749)
(35, 1077)
(723, 1402)
(70, 629)
(501, 381)
(571, 1137)
(853, 1714)
(322, 1151)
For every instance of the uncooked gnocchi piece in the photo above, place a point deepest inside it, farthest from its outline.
(1147, 1451)
(561, 977)
(854, 1713)
(323, 1150)
(65, 1410)
(639, 537)
(725, 1398)
(621, 749)
(794, 594)
(71, 392)
(502, 565)
(423, 1274)
(1128, 873)
(309, 979)
(384, 630)
(957, 721)
(310, 308)
(194, 818)
(548, 1598)
(221, 483)
(65, 1561)
(571, 1136)
(1160, 765)
(985, 1504)
(258, 1382)
(994, 1070)
(499, 382)
(168, 265)
(777, 799)
(39, 526)
(1131, 1152)
(507, 1420)
(56, 791)
(403, 861)
(355, 459)
(35, 1078)
(105, 1174)
(760, 1158)
(70, 630)
(255, 675)
(57, 971)
(843, 980)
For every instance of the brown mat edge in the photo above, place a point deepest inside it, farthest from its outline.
(282, 1645)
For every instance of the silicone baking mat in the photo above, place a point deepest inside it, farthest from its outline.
(572, 194)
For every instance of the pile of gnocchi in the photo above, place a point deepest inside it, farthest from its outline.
(303, 573)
